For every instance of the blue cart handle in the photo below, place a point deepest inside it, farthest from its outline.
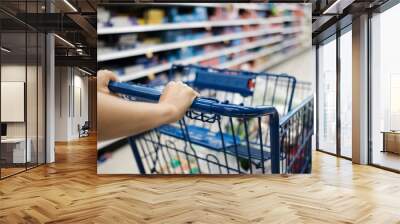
(199, 104)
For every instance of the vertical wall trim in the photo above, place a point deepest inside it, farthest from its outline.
(369, 78)
(317, 95)
(45, 95)
(338, 91)
(0, 94)
(37, 94)
(50, 99)
(69, 91)
(26, 89)
(69, 99)
(360, 90)
(60, 76)
(73, 92)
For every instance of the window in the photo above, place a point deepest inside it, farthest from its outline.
(22, 78)
(385, 89)
(327, 97)
(346, 94)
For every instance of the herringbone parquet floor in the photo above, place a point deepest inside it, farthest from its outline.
(70, 191)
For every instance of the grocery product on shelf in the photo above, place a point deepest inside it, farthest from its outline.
(154, 16)
(120, 45)
(177, 15)
(127, 40)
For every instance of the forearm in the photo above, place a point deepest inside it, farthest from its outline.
(120, 118)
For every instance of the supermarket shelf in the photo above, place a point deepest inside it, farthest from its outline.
(262, 53)
(276, 60)
(219, 5)
(291, 7)
(248, 6)
(214, 54)
(251, 6)
(177, 45)
(191, 25)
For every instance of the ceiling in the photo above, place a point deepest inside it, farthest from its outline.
(330, 15)
(72, 20)
(75, 21)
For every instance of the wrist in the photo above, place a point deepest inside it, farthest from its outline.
(169, 112)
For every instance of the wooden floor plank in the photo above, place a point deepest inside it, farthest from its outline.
(70, 191)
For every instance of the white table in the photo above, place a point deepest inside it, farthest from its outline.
(19, 155)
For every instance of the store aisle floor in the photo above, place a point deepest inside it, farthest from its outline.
(70, 191)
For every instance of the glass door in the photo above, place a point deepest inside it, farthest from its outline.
(327, 96)
(22, 101)
(385, 90)
(35, 88)
(15, 149)
(334, 131)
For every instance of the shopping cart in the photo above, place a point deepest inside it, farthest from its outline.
(232, 143)
(234, 139)
(236, 86)
(295, 137)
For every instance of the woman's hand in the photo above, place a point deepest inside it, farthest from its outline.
(103, 78)
(118, 117)
(176, 98)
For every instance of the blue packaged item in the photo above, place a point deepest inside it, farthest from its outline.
(173, 15)
(235, 42)
(223, 59)
(119, 71)
(171, 57)
(181, 38)
(168, 36)
(198, 50)
(142, 61)
(148, 62)
(200, 13)
(186, 52)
